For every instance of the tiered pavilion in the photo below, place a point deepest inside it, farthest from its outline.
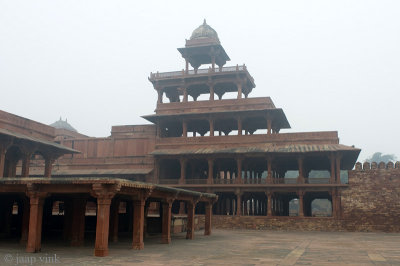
(233, 147)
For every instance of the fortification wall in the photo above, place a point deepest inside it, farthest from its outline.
(372, 202)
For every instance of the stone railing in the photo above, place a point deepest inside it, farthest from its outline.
(182, 73)
(196, 181)
(248, 181)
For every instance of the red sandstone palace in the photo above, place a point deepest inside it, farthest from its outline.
(173, 167)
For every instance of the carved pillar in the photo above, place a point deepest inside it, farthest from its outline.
(25, 164)
(48, 164)
(211, 121)
(36, 200)
(5, 143)
(338, 157)
(300, 178)
(269, 126)
(160, 95)
(300, 193)
(207, 222)
(166, 221)
(210, 179)
(211, 92)
(269, 169)
(269, 203)
(184, 128)
(138, 220)
(3, 151)
(239, 170)
(239, 121)
(238, 203)
(183, 171)
(190, 219)
(185, 95)
(104, 196)
(239, 85)
(213, 63)
(78, 221)
(333, 172)
(186, 66)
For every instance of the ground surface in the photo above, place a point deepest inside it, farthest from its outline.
(224, 247)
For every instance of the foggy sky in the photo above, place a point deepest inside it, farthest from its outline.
(331, 65)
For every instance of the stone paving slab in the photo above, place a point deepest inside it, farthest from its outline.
(224, 247)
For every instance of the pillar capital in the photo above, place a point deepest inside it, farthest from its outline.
(104, 193)
(142, 195)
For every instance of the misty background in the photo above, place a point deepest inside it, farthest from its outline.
(331, 65)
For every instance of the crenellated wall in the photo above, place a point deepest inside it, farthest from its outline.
(372, 201)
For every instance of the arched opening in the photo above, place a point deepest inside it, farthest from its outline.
(13, 155)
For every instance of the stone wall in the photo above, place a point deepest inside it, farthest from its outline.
(372, 201)
(277, 223)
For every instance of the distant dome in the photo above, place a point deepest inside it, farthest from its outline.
(204, 31)
(61, 124)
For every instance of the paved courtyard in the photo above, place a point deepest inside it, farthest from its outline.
(225, 247)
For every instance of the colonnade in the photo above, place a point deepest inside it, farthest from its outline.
(12, 151)
(240, 170)
(274, 203)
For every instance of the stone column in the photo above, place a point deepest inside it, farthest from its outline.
(269, 126)
(166, 221)
(185, 95)
(138, 223)
(184, 128)
(211, 92)
(104, 196)
(183, 171)
(333, 172)
(238, 203)
(239, 120)
(338, 157)
(239, 85)
(114, 217)
(4, 145)
(239, 170)
(210, 179)
(36, 200)
(48, 165)
(160, 95)
(25, 164)
(207, 222)
(269, 167)
(300, 178)
(300, 193)
(211, 121)
(186, 66)
(78, 221)
(269, 203)
(2, 160)
(190, 219)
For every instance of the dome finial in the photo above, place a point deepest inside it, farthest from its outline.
(204, 22)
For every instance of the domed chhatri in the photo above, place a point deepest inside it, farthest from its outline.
(61, 124)
(204, 31)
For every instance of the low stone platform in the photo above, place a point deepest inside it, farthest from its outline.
(225, 247)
